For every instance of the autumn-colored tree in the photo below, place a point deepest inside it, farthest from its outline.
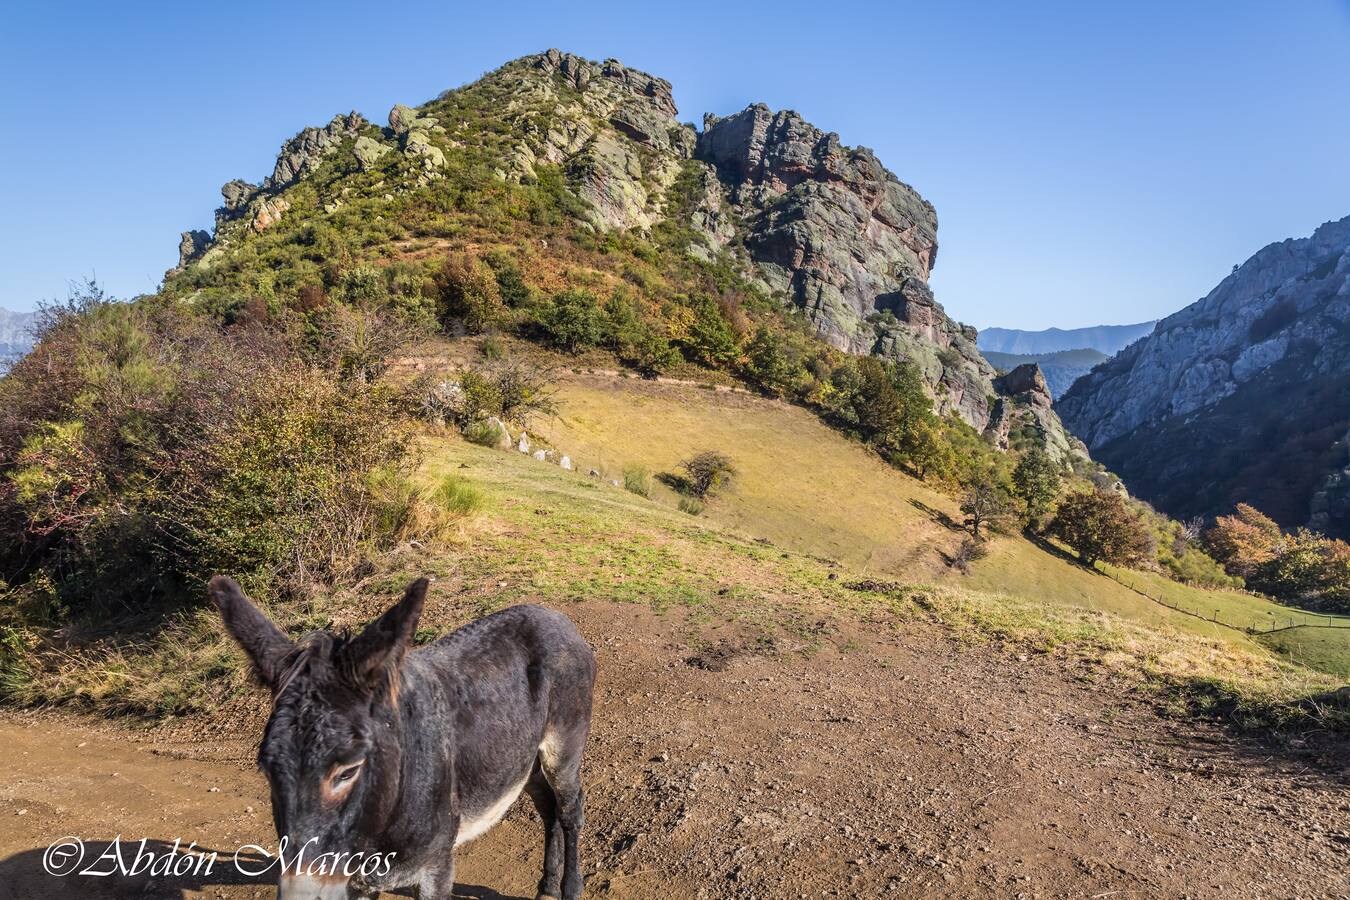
(1100, 525)
(1244, 541)
(469, 292)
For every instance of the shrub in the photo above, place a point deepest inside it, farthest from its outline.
(144, 449)
(707, 472)
(514, 390)
(637, 480)
(573, 320)
(484, 433)
(691, 506)
(515, 293)
(1100, 525)
(469, 292)
(970, 551)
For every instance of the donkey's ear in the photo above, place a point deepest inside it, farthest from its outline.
(264, 642)
(374, 655)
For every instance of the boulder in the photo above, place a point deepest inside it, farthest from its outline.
(566, 463)
(192, 245)
(369, 152)
(523, 445)
(237, 194)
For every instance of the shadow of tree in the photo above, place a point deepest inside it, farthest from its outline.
(937, 516)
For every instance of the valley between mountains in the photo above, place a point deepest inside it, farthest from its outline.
(870, 654)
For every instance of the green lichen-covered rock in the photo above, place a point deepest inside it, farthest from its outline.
(368, 152)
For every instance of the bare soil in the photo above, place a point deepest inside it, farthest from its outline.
(909, 765)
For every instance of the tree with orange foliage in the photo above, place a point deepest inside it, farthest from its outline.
(1244, 541)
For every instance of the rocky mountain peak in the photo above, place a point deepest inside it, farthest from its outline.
(824, 227)
(1245, 392)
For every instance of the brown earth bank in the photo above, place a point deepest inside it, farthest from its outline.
(890, 760)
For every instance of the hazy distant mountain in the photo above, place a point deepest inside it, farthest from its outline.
(1061, 369)
(1108, 339)
(15, 336)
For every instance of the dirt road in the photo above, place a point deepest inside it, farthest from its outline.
(906, 765)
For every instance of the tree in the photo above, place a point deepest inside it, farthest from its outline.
(1310, 568)
(711, 339)
(573, 320)
(1036, 482)
(1244, 541)
(707, 472)
(985, 501)
(1100, 525)
(469, 291)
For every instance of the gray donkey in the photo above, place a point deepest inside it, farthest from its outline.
(382, 759)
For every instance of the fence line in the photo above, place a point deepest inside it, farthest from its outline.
(1245, 629)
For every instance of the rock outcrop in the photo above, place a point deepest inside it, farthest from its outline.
(825, 227)
(1241, 396)
(829, 225)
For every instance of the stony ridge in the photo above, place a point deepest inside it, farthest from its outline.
(1220, 394)
(823, 226)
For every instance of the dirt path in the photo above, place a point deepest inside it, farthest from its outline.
(909, 764)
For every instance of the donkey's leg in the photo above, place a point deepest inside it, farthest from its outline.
(550, 885)
(560, 758)
(438, 883)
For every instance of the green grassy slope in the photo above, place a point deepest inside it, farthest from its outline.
(806, 488)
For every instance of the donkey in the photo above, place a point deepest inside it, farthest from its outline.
(377, 750)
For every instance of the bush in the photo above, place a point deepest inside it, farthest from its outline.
(707, 472)
(573, 320)
(637, 480)
(484, 433)
(144, 449)
(469, 292)
(691, 506)
(970, 551)
(1100, 525)
(513, 390)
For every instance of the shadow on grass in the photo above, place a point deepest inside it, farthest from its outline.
(1049, 547)
(937, 516)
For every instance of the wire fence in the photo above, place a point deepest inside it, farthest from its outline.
(1277, 621)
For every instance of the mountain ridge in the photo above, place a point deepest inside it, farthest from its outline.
(1243, 396)
(1108, 339)
(817, 226)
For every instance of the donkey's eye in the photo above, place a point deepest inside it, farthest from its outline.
(344, 775)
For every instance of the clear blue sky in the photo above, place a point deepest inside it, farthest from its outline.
(1090, 162)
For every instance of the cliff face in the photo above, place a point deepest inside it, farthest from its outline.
(1241, 396)
(823, 227)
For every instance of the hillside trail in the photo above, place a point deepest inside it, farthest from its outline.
(908, 765)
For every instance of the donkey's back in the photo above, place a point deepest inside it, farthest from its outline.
(517, 687)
